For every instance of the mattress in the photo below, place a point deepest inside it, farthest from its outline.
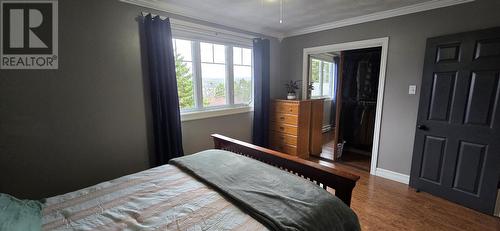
(161, 198)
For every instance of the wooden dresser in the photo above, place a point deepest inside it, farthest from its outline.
(290, 127)
(316, 135)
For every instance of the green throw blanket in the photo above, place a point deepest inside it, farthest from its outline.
(19, 215)
(276, 198)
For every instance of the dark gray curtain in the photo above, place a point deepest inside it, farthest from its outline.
(160, 65)
(261, 58)
(333, 114)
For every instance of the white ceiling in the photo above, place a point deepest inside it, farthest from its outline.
(300, 16)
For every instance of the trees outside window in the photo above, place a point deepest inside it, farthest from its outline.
(207, 76)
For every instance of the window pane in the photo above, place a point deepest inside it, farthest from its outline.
(326, 78)
(236, 55)
(183, 48)
(315, 72)
(213, 82)
(242, 84)
(185, 86)
(213, 74)
(207, 54)
(219, 53)
(247, 56)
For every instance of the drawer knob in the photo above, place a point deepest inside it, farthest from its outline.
(282, 118)
(282, 128)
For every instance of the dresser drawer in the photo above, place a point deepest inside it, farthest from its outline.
(284, 128)
(285, 118)
(288, 149)
(282, 138)
(287, 108)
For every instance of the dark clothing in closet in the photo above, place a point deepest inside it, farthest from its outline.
(359, 97)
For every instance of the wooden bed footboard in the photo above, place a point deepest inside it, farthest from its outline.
(342, 182)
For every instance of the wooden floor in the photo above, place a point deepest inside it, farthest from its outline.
(327, 151)
(348, 158)
(356, 160)
(383, 204)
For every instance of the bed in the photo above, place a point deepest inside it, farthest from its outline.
(213, 190)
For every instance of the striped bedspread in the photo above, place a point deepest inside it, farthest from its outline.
(162, 198)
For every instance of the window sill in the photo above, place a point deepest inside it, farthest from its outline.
(322, 97)
(209, 113)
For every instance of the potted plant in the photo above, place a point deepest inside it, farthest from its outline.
(310, 88)
(291, 87)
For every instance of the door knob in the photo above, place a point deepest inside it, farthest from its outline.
(422, 127)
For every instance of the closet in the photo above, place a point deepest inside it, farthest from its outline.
(357, 99)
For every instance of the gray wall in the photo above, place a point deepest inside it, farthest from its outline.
(61, 130)
(196, 133)
(407, 35)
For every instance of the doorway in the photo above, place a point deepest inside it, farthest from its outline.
(358, 92)
(350, 78)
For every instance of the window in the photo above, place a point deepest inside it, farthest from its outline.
(242, 66)
(184, 73)
(212, 76)
(322, 78)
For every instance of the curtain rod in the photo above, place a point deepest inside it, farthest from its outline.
(153, 15)
(191, 26)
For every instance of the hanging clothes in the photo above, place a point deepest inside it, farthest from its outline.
(359, 96)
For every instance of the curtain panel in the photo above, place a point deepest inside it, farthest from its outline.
(333, 114)
(160, 66)
(261, 56)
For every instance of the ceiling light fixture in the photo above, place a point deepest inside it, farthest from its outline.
(281, 11)
(262, 2)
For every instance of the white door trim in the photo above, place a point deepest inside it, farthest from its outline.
(378, 42)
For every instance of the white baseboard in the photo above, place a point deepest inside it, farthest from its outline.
(402, 178)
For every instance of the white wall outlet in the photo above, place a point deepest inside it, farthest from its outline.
(412, 90)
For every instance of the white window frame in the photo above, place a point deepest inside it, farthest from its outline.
(201, 112)
(321, 75)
